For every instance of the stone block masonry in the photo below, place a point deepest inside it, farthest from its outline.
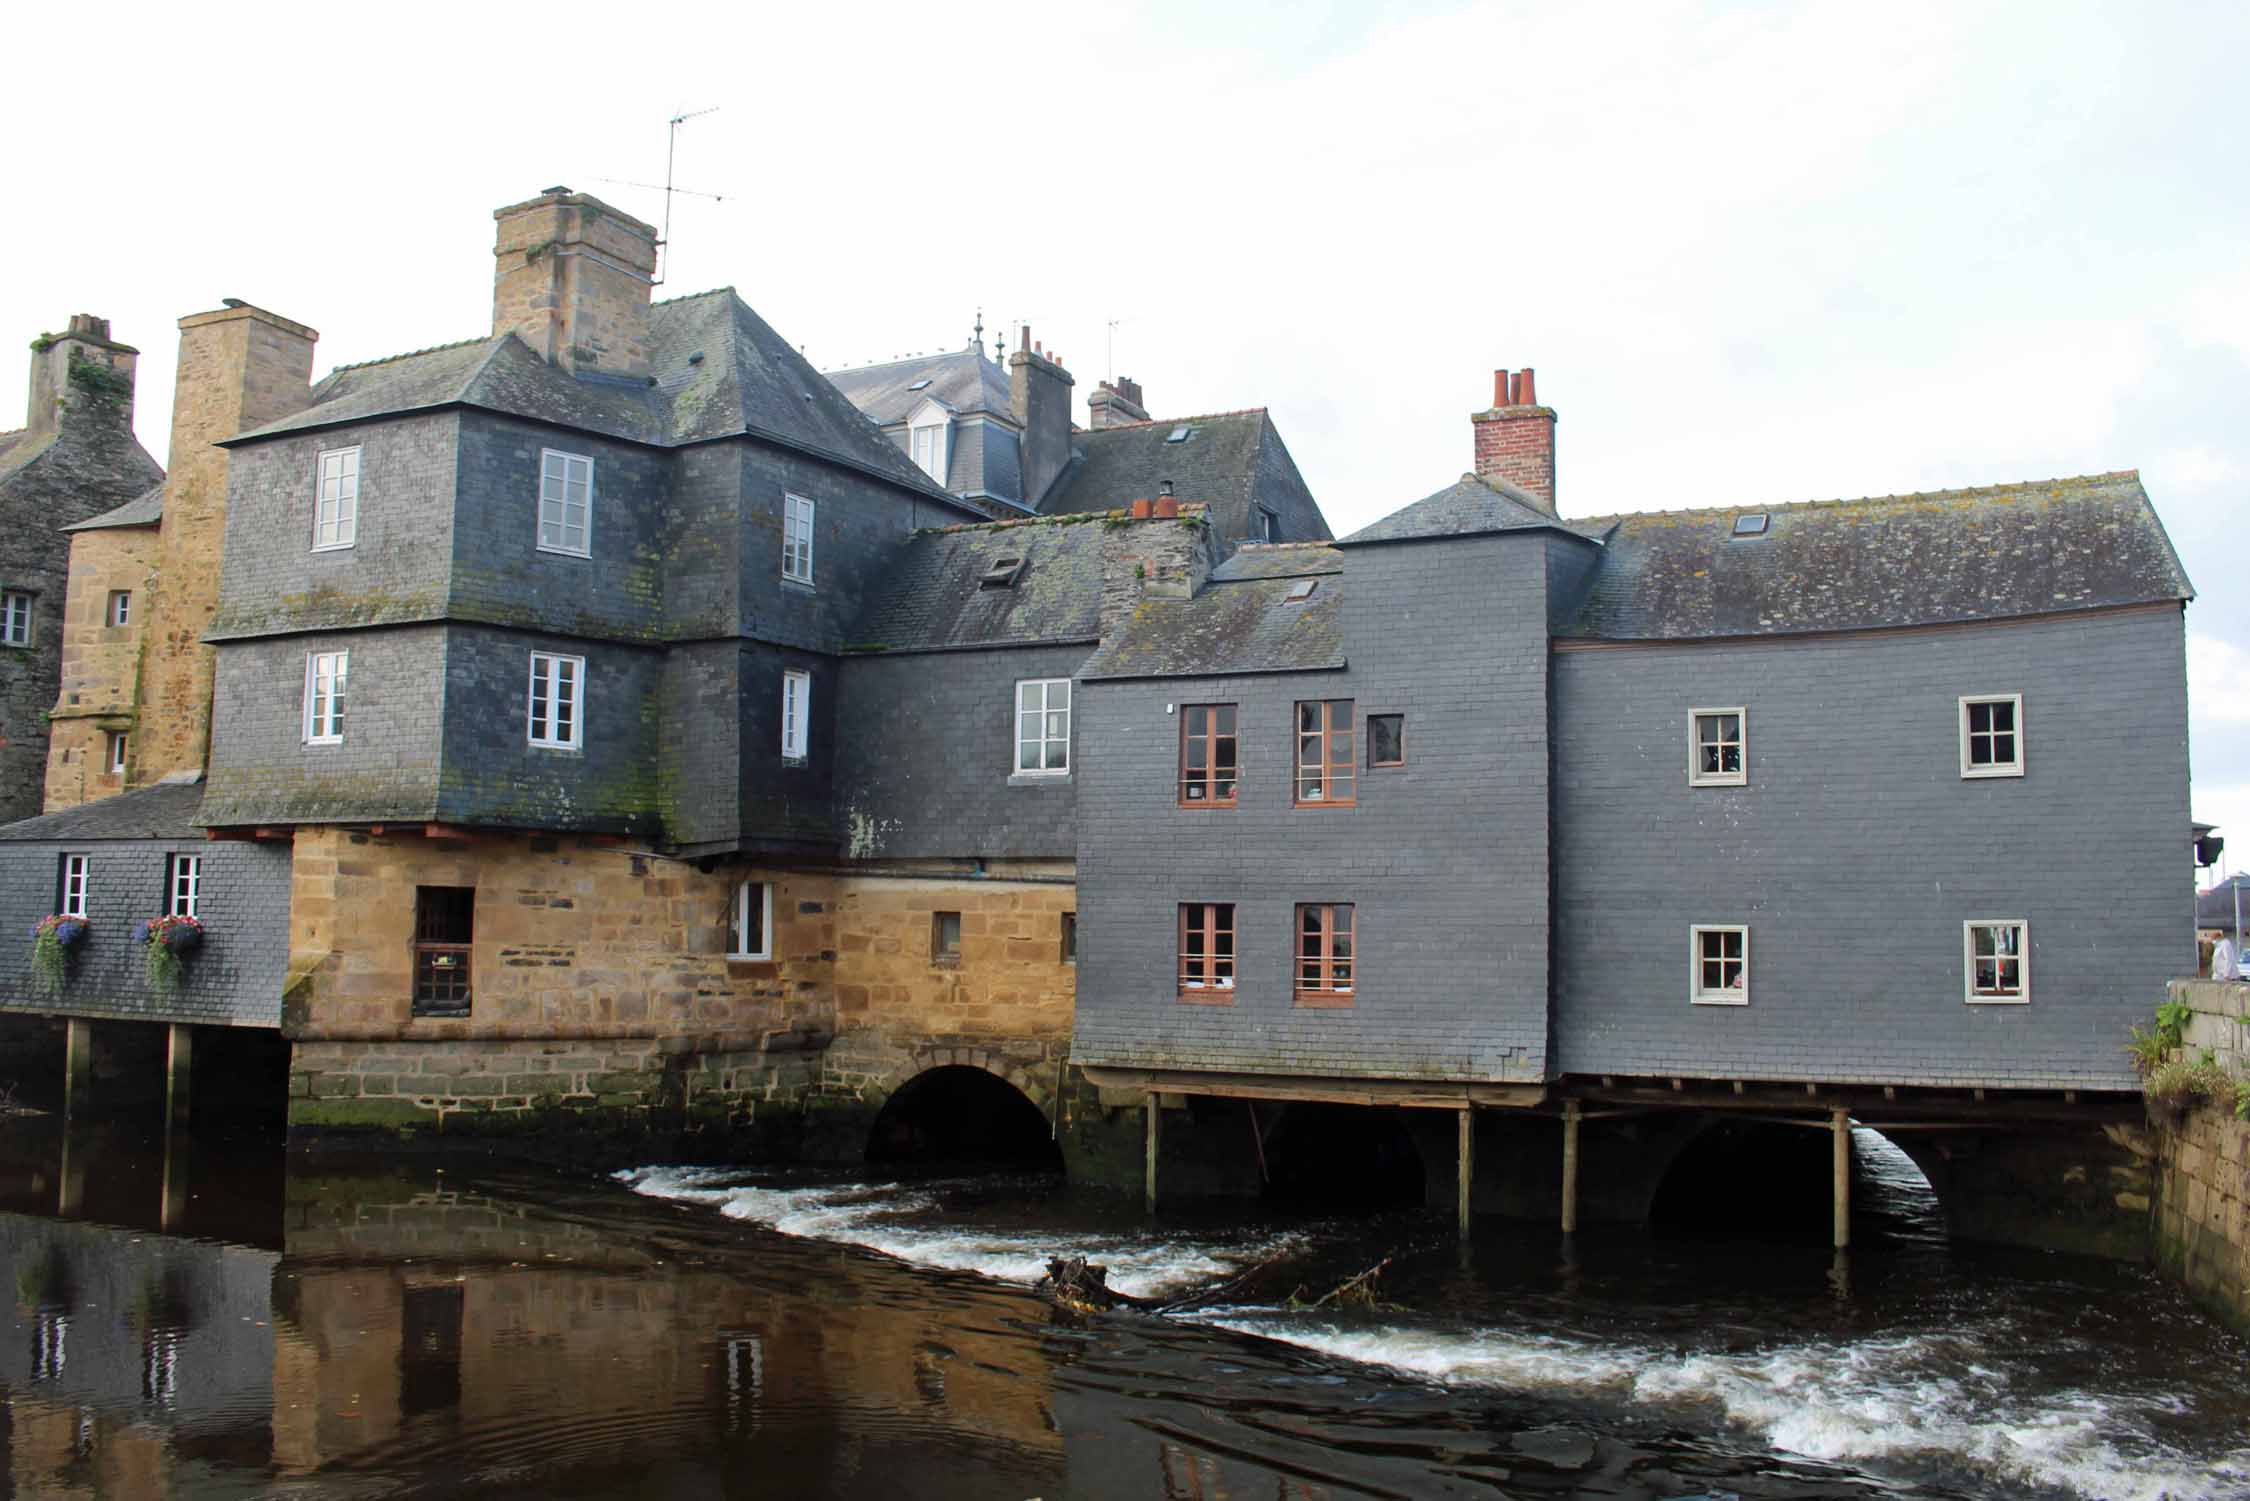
(101, 663)
(2203, 1165)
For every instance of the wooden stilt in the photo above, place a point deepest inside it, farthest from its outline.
(1570, 1167)
(1468, 1155)
(1155, 1110)
(179, 1061)
(172, 1204)
(1840, 1128)
(70, 1178)
(78, 1066)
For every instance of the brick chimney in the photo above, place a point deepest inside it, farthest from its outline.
(1116, 403)
(240, 367)
(1516, 438)
(1039, 393)
(80, 375)
(571, 278)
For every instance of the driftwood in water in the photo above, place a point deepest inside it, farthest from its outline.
(1083, 1286)
(1354, 1292)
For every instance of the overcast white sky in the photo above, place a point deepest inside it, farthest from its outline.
(1757, 253)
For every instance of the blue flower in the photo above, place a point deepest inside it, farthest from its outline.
(140, 932)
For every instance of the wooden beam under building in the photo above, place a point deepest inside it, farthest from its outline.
(1406, 1093)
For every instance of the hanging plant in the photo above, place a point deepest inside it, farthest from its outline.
(170, 940)
(53, 940)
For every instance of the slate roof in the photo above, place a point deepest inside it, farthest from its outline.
(17, 449)
(1948, 555)
(1471, 506)
(717, 368)
(164, 811)
(963, 379)
(1279, 560)
(932, 598)
(1241, 621)
(143, 510)
(2215, 908)
(1228, 460)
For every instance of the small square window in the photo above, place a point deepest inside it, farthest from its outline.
(1719, 966)
(1209, 756)
(1996, 962)
(1206, 967)
(114, 758)
(566, 503)
(1386, 740)
(556, 720)
(945, 938)
(1992, 736)
(120, 607)
(336, 500)
(183, 886)
(444, 943)
(1718, 747)
(1070, 938)
(15, 618)
(750, 923)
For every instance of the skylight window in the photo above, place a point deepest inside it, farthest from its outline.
(921, 384)
(1001, 574)
(1301, 590)
(1750, 524)
(1179, 434)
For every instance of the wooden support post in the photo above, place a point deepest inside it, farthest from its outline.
(173, 1202)
(70, 1178)
(1570, 1167)
(1840, 1128)
(1155, 1109)
(179, 1061)
(1468, 1164)
(78, 1066)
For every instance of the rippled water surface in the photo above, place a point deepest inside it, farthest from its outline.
(215, 1325)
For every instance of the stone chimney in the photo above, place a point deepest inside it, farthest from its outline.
(80, 375)
(1116, 403)
(1148, 556)
(1516, 438)
(1039, 393)
(571, 278)
(240, 367)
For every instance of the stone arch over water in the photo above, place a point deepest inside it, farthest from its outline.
(964, 1105)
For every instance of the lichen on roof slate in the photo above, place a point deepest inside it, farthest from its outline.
(1279, 560)
(164, 811)
(963, 380)
(932, 597)
(1898, 560)
(145, 509)
(1473, 505)
(1245, 627)
(1228, 460)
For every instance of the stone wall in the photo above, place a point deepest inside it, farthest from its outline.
(101, 663)
(2203, 1164)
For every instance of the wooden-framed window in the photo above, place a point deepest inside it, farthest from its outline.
(796, 539)
(750, 922)
(1992, 735)
(1386, 740)
(444, 940)
(1043, 727)
(796, 709)
(1719, 965)
(327, 676)
(15, 618)
(1718, 747)
(1325, 762)
(1327, 954)
(183, 885)
(336, 499)
(114, 754)
(1206, 968)
(566, 503)
(1209, 756)
(1996, 961)
(77, 871)
(120, 607)
(945, 938)
(556, 717)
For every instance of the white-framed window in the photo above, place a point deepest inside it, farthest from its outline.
(566, 503)
(927, 438)
(1719, 965)
(184, 886)
(796, 539)
(750, 923)
(15, 618)
(1718, 747)
(75, 870)
(1996, 961)
(115, 756)
(556, 720)
(1992, 735)
(796, 709)
(120, 607)
(326, 680)
(336, 499)
(1043, 726)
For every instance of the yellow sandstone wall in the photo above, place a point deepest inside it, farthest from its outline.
(100, 663)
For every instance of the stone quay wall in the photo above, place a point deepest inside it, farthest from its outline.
(2203, 1162)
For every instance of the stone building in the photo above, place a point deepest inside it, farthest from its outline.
(74, 458)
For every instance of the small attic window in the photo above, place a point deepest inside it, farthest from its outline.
(1001, 574)
(1179, 434)
(1750, 524)
(1301, 590)
(922, 384)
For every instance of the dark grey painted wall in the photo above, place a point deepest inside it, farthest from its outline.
(925, 754)
(1444, 859)
(237, 976)
(1857, 850)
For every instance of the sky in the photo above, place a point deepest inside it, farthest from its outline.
(1757, 253)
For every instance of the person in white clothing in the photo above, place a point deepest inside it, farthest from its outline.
(2224, 964)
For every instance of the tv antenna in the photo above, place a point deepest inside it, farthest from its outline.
(1112, 375)
(671, 154)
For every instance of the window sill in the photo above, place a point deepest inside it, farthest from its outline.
(1982, 773)
(1039, 779)
(1740, 781)
(1720, 1000)
(554, 745)
(334, 546)
(563, 552)
(1201, 803)
(1996, 1000)
(1338, 803)
(1327, 1000)
(802, 586)
(1209, 997)
(948, 961)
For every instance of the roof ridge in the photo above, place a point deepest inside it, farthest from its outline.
(1176, 421)
(1276, 546)
(908, 359)
(392, 359)
(693, 296)
(2080, 481)
(1060, 518)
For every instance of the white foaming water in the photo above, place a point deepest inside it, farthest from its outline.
(1920, 1396)
(880, 1218)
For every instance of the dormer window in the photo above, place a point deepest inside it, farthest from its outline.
(1180, 434)
(927, 440)
(1001, 574)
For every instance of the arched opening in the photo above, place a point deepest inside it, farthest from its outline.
(959, 1115)
(1342, 1157)
(1892, 1197)
(1750, 1178)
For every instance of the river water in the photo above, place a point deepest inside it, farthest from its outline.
(225, 1323)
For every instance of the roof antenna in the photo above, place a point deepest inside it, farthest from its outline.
(1111, 375)
(671, 150)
